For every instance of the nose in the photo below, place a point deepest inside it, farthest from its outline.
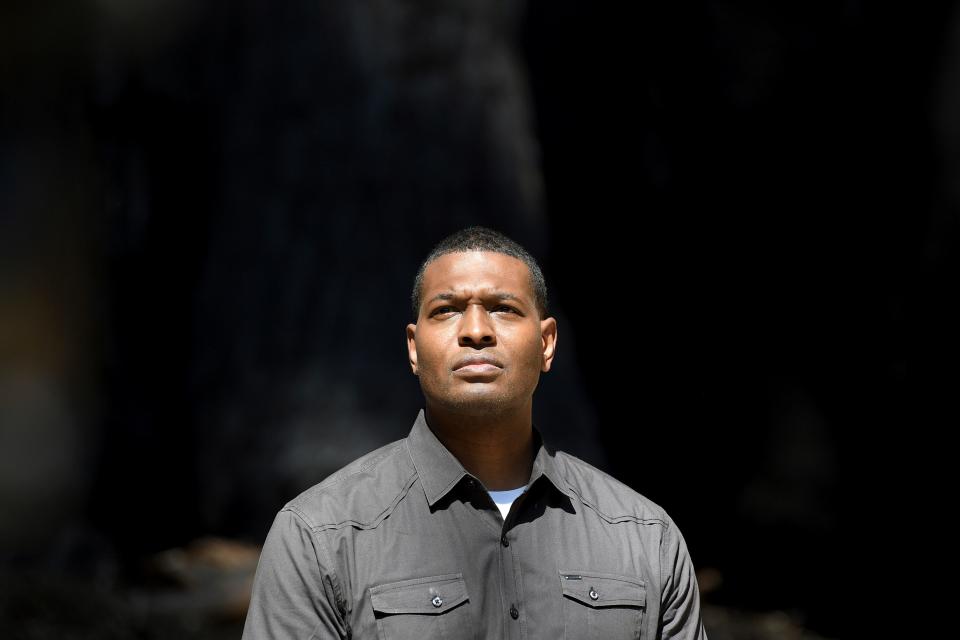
(476, 328)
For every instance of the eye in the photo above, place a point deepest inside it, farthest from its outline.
(440, 310)
(506, 308)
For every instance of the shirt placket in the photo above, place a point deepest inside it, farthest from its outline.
(511, 578)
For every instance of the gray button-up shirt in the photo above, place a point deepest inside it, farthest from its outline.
(405, 543)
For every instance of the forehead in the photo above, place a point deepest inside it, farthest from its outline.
(474, 271)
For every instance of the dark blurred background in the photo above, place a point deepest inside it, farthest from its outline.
(212, 213)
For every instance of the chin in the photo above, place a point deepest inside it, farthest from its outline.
(474, 404)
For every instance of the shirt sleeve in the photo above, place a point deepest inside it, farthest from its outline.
(294, 593)
(680, 598)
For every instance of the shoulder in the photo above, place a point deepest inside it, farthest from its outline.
(610, 498)
(359, 494)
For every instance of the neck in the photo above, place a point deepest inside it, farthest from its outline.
(497, 448)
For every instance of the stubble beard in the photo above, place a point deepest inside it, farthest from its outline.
(462, 398)
(473, 400)
(484, 403)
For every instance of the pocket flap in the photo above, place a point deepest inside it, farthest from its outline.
(430, 595)
(603, 589)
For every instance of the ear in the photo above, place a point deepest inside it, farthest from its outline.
(412, 347)
(548, 337)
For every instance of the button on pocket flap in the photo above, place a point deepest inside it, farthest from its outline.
(603, 589)
(430, 595)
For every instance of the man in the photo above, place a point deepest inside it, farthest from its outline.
(471, 527)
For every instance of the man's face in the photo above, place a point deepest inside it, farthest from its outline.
(479, 305)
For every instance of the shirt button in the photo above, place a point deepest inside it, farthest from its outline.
(513, 612)
(593, 594)
(504, 541)
(437, 601)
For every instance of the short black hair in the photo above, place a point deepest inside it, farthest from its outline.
(477, 238)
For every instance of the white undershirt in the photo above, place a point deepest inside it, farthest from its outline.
(503, 499)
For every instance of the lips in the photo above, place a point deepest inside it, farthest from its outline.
(477, 360)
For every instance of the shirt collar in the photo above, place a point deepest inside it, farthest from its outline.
(440, 471)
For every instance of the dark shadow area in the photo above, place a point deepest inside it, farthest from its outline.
(212, 215)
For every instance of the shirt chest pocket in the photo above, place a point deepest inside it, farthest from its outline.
(602, 605)
(430, 607)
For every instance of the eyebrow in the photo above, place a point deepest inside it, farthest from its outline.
(499, 295)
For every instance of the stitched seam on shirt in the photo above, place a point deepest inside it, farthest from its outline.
(503, 605)
(373, 524)
(596, 509)
(334, 579)
(518, 589)
(618, 519)
(663, 578)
